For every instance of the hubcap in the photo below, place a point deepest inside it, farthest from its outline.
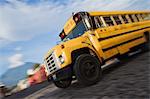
(89, 69)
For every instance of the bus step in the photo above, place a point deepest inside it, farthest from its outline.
(109, 63)
(135, 52)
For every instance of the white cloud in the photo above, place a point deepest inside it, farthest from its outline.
(20, 21)
(4, 42)
(16, 60)
(18, 48)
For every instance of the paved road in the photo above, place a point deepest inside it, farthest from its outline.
(128, 79)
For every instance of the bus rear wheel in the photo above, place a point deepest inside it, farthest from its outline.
(87, 69)
(147, 43)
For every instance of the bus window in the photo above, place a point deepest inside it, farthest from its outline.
(142, 16)
(108, 21)
(120, 17)
(134, 18)
(125, 19)
(117, 20)
(130, 16)
(93, 22)
(103, 21)
(98, 22)
(137, 17)
(146, 16)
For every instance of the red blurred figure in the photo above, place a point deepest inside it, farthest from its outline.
(38, 76)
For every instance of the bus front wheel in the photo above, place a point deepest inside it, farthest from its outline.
(87, 69)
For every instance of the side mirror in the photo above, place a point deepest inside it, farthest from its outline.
(87, 23)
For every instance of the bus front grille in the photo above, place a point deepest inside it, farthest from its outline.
(51, 63)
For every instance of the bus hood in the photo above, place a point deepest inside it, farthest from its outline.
(62, 46)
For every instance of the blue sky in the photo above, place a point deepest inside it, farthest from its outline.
(29, 28)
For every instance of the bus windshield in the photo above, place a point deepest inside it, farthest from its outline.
(76, 32)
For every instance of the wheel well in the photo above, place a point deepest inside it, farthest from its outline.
(147, 35)
(78, 52)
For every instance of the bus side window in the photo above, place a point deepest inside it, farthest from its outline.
(130, 16)
(125, 19)
(134, 18)
(97, 22)
(101, 24)
(142, 16)
(137, 17)
(117, 20)
(108, 21)
(122, 21)
(146, 16)
(93, 23)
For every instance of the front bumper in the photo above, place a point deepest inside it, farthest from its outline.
(62, 74)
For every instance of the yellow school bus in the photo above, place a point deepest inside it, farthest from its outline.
(90, 39)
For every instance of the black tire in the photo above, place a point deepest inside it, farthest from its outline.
(87, 69)
(146, 44)
(145, 47)
(63, 83)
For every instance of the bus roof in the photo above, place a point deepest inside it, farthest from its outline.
(96, 13)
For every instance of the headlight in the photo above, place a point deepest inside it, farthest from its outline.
(61, 59)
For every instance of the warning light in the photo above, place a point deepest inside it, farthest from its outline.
(62, 35)
(77, 17)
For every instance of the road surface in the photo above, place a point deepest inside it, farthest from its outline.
(128, 79)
